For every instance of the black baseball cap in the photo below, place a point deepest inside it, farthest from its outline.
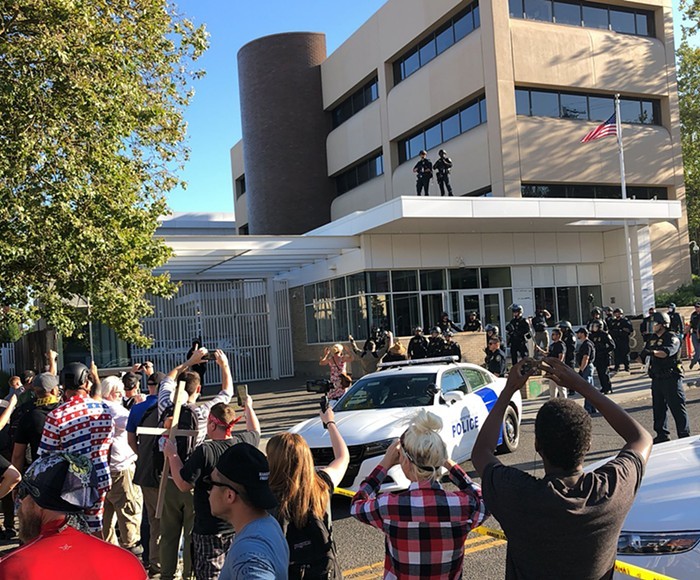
(247, 466)
(131, 381)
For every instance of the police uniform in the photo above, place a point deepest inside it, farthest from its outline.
(518, 331)
(676, 325)
(424, 173)
(592, 320)
(604, 345)
(621, 329)
(695, 337)
(436, 346)
(417, 347)
(472, 325)
(452, 349)
(667, 385)
(495, 362)
(567, 337)
(442, 169)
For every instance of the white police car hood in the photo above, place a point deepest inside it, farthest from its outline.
(358, 427)
(669, 497)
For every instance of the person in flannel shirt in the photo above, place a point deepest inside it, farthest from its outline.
(426, 525)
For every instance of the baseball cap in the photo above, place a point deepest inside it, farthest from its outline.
(247, 466)
(155, 379)
(131, 381)
(45, 381)
(61, 482)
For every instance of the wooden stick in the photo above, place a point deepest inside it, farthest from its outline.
(166, 462)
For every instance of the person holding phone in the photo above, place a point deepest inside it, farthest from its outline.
(304, 495)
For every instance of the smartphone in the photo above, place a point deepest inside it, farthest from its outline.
(241, 394)
(211, 355)
(323, 403)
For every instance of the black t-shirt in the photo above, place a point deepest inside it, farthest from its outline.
(200, 464)
(556, 348)
(31, 426)
(562, 527)
(585, 348)
(4, 464)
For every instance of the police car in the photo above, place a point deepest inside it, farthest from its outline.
(662, 530)
(375, 411)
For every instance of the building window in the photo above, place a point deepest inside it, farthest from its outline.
(240, 186)
(400, 300)
(586, 107)
(586, 14)
(437, 42)
(447, 127)
(591, 191)
(359, 174)
(356, 102)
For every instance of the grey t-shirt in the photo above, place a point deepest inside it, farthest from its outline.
(562, 527)
(259, 552)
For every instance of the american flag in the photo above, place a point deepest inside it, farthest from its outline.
(602, 130)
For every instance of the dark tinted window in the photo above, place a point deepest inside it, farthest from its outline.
(544, 104)
(567, 13)
(470, 117)
(416, 144)
(450, 127)
(495, 278)
(378, 281)
(367, 94)
(622, 21)
(464, 278)
(432, 280)
(356, 284)
(427, 53)
(404, 280)
(538, 10)
(594, 17)
(522, 102)
(433, 136)
(445, 39)
(648, 113)
(359, 174)
(411, 63)
(574, 106)
(463, 26)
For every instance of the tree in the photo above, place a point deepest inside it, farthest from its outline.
(91, 136)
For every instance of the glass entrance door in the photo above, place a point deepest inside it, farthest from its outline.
(488, 306)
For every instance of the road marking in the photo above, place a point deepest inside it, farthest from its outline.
(476, 544)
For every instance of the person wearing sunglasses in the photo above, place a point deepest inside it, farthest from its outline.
(426, 525)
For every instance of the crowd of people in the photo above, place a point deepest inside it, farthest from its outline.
(165, 486)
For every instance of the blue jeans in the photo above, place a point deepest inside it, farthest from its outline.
(667, 393)
(587, 374)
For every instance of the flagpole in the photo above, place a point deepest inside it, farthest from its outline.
(623, 186)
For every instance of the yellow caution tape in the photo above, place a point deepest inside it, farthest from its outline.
(622, 567)
(345, 492)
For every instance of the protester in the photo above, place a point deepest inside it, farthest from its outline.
(426, 525)
(211, 536)
(177, 519)
(9, 478)
(397, 352)
(131, 390)
(56, 488)
(336, 358)
(566, 524)
(124, 498)
(304, 495)
(241, 495)
(82, 426)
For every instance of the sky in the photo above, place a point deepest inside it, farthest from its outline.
(213, 117)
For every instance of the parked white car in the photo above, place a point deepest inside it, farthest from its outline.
(662, 530)
(375, 411)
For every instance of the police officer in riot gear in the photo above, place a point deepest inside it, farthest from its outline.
(518, 333)
(451, 348)
(677, 324)
(569, 340)
(473, 324)
(621, 329)
(539, 324)
(495, 361)
(604, 345)
(418, 345)
(492, 331)
(596, 314)
(666, 371)
(424, 173)
(442, 169)
(436, 344)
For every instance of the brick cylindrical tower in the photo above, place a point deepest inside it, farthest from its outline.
(284, 133)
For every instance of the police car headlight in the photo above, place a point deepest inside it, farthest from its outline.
(378, 447)
(660, 543)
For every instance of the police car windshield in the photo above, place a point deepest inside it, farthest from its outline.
(381, 391)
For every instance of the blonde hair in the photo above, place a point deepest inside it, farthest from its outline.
(109, 385)
(293, 479)
(337, 348)
(422, 441)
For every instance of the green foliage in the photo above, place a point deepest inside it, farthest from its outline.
(91, 135)
(685, 295)
(11, 332)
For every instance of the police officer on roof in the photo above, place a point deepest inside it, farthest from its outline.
(518, 333)
(621, 329)
(442, 169)
(424, 173)
(663, 349)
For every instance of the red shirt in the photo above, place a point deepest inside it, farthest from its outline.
(63, 553)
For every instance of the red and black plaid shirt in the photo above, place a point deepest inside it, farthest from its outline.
(425, 526)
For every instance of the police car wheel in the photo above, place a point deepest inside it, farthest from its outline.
(511, 432)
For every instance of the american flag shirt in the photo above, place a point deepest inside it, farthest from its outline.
(425, 526)
(81, 426)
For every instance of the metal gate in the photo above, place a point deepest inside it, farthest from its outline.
(7, 357)
(236, 316)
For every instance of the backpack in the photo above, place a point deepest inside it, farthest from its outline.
(312, 551)
(150, 459)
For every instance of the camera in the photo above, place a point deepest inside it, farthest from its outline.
(321, 386)
(211, 355)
